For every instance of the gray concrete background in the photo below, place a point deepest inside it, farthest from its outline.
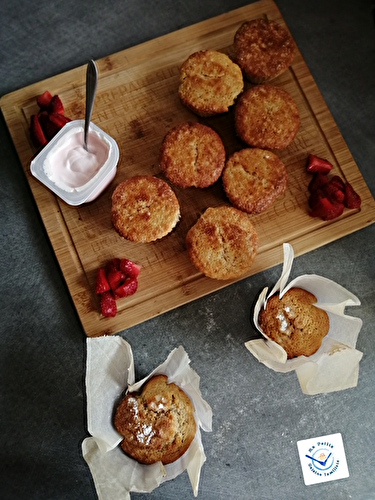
(258, 415)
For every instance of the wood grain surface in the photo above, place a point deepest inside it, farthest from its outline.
(137, 103)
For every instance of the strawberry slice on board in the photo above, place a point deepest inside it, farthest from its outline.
(127, 288)
(36, 132)
(58, 119)
(101, 284)
(316, 164)
(323, 208)
(129, 268)
(352, 198)
(108, 306)
(44, 100)
(56, 105)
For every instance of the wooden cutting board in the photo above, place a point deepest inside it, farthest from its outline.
(137, 103)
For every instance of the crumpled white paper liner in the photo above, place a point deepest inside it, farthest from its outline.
(109, 372)
(335, 366)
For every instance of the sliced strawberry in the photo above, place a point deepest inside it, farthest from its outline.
(113, 265)
(56, 106)
(128, 287)
(333, 193)
(49, 128)
(317, 182)
(44, 100)
(102, 284)
(36, 132)
(316, 164)
(108, 305)
(352, 199)
(326, 210)
(58, 119)
(115, 278)
(129, 268)
(338, 182)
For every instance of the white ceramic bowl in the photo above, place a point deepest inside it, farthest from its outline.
(97, 183)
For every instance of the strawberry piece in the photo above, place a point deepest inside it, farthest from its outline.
(317, 182)
(44, 100)
(129, 268)
(318, 165)
(102, 284)
(49, 128)
(58, 119)
(127, 288)
(352, 199)
(108, 305)
(333, 193)
(338, 182)
(326, 210)
(115, 278)
(56, 106)
(113, 265)
(36, 132)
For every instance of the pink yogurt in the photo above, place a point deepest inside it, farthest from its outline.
(70, 166)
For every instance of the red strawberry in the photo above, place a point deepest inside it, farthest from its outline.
(325, 209)
(113, 265)
(333, 193)
(316, 164)
(115, 278)
(317, 182)
(128, 287)
(58, 119)
(338, 182)
(352, 199)
(108, 305)
(56, 106)
(129, 268)
(44, 99)
(49, 128)
(36, 132)
(102, 284)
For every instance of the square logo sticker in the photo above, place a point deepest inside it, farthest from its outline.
(323, 459)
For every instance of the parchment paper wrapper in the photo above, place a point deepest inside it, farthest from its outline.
(109, 372)
(335, 366)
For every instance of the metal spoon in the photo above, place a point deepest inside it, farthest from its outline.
(91, 83)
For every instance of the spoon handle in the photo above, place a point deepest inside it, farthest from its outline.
(91, 83)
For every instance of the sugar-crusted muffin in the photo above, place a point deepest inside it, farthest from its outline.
(157, 424)
(144, 209)
(266, 117)
(209, 82)
(294, 322)
(253, 179)
(223, 243)
(192, 155)
(263, 49)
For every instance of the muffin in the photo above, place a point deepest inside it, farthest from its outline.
(157, 424)
(192, 155)
(209, 82)
(266, 117)
(223, 243)
(144, 209)
(263, 49)
(253, 179)
(294, 322)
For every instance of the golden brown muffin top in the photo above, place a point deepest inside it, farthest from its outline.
(263, 49)
(266, 117)
(157, 424)
(144, 208)
(294, 322)
(253, 179)
(209, 82)
(192, 154)
(223, 243)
